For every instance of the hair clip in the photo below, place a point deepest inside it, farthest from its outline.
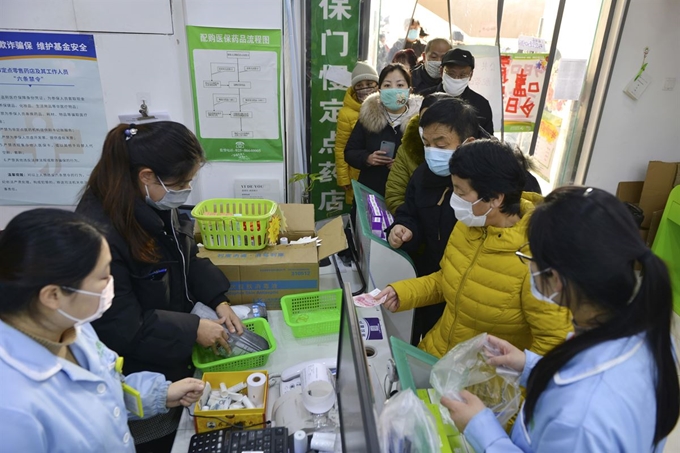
(130, 132)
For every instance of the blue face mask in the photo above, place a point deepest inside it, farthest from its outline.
(412, 35)
(438, 160)
(394, 98)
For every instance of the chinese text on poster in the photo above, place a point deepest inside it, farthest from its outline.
(52, 121)
(335, 40)
(236, 75)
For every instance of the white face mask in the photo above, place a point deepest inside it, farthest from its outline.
(534, 289)
(105, 301)
(463, 211)
(432, 68)
(171, 200)
(454, 87)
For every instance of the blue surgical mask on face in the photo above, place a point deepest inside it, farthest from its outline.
(413, 35)
(394, 98)
(438, 160)
(534, 289)
(171, 200)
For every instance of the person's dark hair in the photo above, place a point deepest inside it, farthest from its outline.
(595, 257)
(169, 149)
(406, 56)
(531, 184)
(455, 113)
(44, 247)
(391, 68)
(430, 99)
(492, 169)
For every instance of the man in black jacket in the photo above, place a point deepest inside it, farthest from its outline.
(428, 75)
(423, 223)
(457, 69)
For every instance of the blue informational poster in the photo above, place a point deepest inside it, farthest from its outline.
(52, 121)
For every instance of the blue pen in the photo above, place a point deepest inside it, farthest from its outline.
(157, 273)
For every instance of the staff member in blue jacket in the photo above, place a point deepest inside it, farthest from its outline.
(62, 389)
(614, 385)
(143, 176)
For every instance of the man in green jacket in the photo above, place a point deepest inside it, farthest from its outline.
(410, 155)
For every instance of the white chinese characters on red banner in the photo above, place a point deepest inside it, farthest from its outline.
(523, 79)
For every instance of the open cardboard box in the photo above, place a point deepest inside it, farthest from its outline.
(280, 270)
(651, 194)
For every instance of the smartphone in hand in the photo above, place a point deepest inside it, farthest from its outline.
(388, 147)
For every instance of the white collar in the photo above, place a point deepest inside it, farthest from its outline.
(599, 359)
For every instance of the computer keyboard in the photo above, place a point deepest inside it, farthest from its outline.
(266, 440)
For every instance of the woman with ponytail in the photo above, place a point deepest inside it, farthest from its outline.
(143, 176)
(613, 387)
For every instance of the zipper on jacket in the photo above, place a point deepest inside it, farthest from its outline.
(439, 223)
(460, 287)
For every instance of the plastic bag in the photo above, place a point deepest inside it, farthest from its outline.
(406, 425)
(465, 367)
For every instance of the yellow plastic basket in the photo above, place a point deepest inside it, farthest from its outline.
(311, 314)
(234, 223)
(205, 359)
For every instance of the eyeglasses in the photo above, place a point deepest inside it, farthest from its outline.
(457, 74)
(523, 257)
(367, 88)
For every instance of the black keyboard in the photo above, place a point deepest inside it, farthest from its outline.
(266, 440)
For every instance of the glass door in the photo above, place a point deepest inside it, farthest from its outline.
(550, 59)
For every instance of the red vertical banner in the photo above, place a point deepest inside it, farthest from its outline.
(523, 79)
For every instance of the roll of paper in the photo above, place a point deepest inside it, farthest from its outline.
(318, 393)
(300, 442)
(323, 441)
(257, 382)
(247, 403)
(223, 390)
(237, 388)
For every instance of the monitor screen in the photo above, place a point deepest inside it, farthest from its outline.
(358, 420)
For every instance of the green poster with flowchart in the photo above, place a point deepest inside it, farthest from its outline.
(236, 78)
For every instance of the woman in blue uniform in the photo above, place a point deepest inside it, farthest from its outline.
(614, 385)
(62, 389)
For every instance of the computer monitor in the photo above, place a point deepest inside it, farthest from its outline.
(356, 403)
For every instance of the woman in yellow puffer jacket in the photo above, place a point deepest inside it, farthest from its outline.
(364, 83)
(485, 286)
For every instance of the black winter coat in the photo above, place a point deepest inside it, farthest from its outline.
(422, 81)
(368, 133)
(426, 211)
(149, 323)
(476, 100)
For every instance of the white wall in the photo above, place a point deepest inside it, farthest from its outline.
(632, 133)
(155, 66)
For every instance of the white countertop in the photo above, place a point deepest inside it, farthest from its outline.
(289, 351)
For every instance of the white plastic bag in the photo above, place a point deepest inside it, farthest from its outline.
(465, 367)
(405, 424)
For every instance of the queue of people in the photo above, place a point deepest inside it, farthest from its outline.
(567, 290)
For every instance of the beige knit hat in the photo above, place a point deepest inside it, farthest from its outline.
(363, 71)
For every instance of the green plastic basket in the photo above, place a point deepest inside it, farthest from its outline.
(205, 360)
(311, 314)
(234, 223)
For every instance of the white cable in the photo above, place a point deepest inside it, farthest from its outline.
(184, 269)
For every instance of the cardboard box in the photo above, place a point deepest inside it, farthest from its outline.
(205, 421)
(660, 179)
(280, 270)
(651, 194)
